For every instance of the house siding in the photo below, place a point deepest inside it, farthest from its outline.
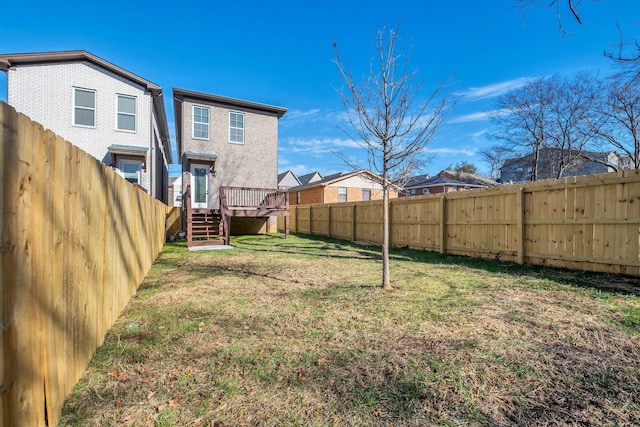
(308, 196)
(44, 92)
(519, 170)
(252, 164)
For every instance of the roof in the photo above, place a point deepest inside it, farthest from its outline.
(206, 156)
(282, 175)
(416, 178)
(437, 181)
(180, 94)
(12, 60)
(306, 179)
(336, 177)
(546, 151)
(470, 178)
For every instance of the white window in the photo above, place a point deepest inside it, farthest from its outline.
(130, 170)
(425, 191)
(126, 114)
(298, 197)
(342, 194)
(413, 191)
(236, 128)
(200, 122)
(366, 194)
(84, 107)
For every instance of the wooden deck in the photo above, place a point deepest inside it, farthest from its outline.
(213, 226)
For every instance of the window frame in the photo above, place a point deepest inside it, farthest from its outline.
(340, 194)
(426, 191)
(139, 163)
(368, 192)
(135, 113)
(94, 109)
(193, 122)
(236, 128)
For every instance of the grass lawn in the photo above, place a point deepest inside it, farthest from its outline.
(298, 332)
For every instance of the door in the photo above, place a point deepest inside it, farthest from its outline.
(199, 186)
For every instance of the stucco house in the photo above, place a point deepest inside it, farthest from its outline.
(114, 115)
(226, 143)
(355, 186)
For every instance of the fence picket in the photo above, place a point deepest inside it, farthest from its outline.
(589, 222)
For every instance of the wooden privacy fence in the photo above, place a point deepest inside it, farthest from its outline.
(584, 223)
(174, 222)
(77, 240)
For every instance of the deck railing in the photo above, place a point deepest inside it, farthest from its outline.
(263, 198)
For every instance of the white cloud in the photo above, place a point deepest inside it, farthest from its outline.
(297, 114)
(478, 117)
(473, 117)
(493, 90)
(316, 146)
(451, 151)
(476, 135)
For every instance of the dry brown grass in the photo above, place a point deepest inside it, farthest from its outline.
(297, 332)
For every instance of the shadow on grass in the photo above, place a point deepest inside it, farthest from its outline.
(325, 247)
(606, 282)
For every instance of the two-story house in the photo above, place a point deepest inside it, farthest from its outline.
(554, 163)
(114, 115)
(225, 142)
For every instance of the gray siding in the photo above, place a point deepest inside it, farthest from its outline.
(252, 164)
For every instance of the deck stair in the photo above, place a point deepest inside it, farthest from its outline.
(209, 227)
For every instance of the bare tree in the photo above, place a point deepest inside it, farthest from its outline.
(572, 112)
(495, 158)
(557, 6)
(551, 114)
(619, 125)
(626, 51)
(388, 119)
(523, 120)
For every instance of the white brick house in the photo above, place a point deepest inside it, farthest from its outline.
(111, 113)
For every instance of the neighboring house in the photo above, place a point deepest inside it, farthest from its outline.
(435, 185)
(112, 114)
(288, 179)
(175, 191)
(445, 182)
(224, 142)
(469, 178)
(228, 149)
(550, 162)
(355, 186)
(309, 178)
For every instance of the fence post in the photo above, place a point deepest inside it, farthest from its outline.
(353, 222)
(443, 225)
(520, 224)
(329, 220)
(310, 219)
(390, 222)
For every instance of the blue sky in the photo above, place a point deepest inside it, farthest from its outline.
(280, 53)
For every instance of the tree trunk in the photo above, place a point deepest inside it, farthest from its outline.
(386, 279)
